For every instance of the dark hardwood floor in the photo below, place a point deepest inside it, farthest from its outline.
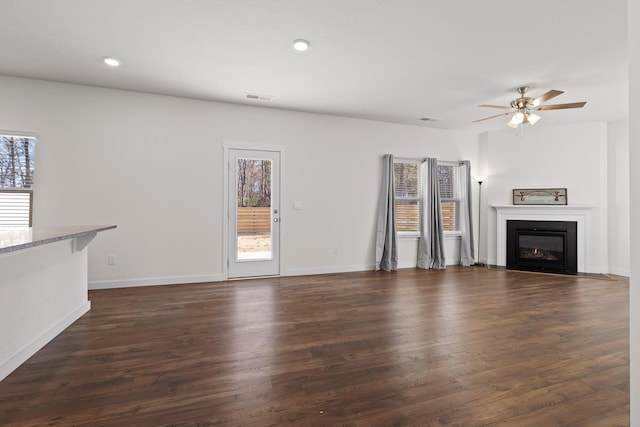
(460, 347)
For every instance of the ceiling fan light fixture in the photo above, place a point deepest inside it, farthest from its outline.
(516, 119)
(533, 118)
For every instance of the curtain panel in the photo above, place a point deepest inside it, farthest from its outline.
(386, 233)
(467, 252)
(431, 241)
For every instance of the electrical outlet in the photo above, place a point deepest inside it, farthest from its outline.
(112, 259)
(336, 251)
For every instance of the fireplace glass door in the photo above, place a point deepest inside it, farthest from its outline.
(549, 246)
(542, 249)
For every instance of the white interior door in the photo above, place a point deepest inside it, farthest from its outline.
(254, 213)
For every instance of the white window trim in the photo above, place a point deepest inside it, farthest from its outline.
(452, 234)
(408, 235)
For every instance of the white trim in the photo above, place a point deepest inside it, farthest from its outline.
(408, 235)
(457, 234)
(407, 264)
(578, 213)
(454, 163)
(20, 133)
(225, 212)
(328, 270)
(231, 145)
(407, 160)
(620, 272)
(154, 281)
(40, 341)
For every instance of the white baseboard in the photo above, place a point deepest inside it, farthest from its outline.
(13, 362)
(154, 281)
(620, 272)
(407, 264)
(327, 270)
(179, 280)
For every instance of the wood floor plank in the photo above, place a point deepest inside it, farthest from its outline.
(455, 347)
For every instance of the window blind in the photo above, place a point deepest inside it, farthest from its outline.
(449, 184)
(408, 194)
(15, 208)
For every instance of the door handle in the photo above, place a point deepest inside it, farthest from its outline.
(276, 220)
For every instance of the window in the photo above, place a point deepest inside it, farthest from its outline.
(450, 194)
(407, 178)
(16, 180)
(408, 194)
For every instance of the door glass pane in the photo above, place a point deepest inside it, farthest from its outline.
(253, 184)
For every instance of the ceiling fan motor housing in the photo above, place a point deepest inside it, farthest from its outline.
(521, 103)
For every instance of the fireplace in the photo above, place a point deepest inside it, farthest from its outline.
(548, 246)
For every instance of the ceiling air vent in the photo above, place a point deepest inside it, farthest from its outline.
(429, 119)
(259, 97)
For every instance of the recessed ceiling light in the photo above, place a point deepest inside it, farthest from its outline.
(301, 45)
(112, 62)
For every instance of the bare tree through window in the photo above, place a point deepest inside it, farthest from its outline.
(253, 183)
(16, 180)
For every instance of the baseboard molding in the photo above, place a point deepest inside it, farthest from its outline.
(327, 270)
(620, 272)
(407, 264)
(180, 280)
(153, 281)
(32, 348)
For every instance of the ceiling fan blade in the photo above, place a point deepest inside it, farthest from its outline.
(561, 106)
(491, 117)
(544, 98)
(502, 107)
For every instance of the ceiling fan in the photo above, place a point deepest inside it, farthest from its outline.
(522, 108)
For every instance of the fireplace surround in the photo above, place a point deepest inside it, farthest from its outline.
(547, 246)
(582, 214)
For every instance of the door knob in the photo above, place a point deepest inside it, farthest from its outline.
(276, 219)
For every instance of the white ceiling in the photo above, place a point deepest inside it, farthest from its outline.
(395, 60)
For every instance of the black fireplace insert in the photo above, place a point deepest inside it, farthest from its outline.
(548, 246)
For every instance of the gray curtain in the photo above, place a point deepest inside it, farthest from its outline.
(467, 253)
(386, 243)
(431, 242)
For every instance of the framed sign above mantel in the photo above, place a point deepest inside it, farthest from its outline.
(540, 196)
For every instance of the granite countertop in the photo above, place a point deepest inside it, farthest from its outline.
(27, 237)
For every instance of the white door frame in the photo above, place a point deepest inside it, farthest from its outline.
(226, 146)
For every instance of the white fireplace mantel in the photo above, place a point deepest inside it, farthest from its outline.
(581, 214)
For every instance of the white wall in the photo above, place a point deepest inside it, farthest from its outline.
(153, 165)
(569, 156)
(618, 196)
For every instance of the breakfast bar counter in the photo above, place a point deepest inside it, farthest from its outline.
(43, 287)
